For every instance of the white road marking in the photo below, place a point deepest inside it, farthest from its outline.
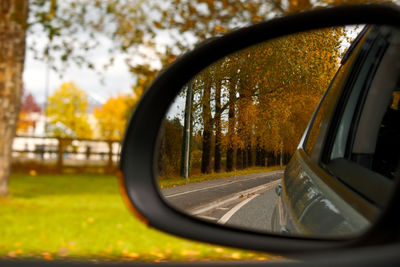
(234, 197)
(221, 208)
(218, 185)
(230, 213)
(207, 217)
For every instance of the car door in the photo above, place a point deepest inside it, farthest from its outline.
(340, 176)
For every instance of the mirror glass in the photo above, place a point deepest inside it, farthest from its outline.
(232, 149)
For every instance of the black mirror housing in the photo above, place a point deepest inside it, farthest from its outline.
(138, 153)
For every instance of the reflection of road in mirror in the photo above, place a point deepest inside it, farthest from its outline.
(246, 110)
(245, 201)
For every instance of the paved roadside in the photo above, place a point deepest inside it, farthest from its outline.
(191, 196)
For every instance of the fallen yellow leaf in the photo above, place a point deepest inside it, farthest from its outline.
(219, 250)
(133, 255)
(11, 254)
(47, 256)
(236, 256)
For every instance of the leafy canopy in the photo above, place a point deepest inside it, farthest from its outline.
(113, 115)
(67, 112)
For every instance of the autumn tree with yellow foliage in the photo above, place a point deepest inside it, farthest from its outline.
(113, 115)
(258, 101)
(280, 84)
(67, 112)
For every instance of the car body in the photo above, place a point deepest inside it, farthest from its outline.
(342, 173)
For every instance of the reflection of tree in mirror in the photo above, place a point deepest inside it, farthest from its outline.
(251, 108)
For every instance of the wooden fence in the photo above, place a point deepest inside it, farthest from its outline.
(60, 155)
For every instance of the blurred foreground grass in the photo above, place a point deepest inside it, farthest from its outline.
(82, 217)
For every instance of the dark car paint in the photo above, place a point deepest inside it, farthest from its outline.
(313, 200)
(308, 204)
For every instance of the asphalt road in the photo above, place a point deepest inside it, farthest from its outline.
(244, 201)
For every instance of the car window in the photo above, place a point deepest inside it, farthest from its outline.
(327, 106)
(387, 151)
(367, 129)
(363, 76)
(361, 149)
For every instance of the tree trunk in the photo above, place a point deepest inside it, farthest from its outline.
(231, 128)
(207, 130)
(239, 159)
(60, 155)
(206, 155)
(258, 154)
(13, 16)
(270, 158)
(187, 133)
(217, 152)
(262, 157)
(245, 158)
(229, 159)
(161, 154)
(249, 155)
(110, 156)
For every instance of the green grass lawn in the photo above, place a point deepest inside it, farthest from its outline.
(82, 217)
(176, 181)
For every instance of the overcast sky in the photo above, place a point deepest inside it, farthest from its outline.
(117, 78)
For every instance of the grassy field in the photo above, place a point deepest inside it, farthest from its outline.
(176, 181)
(82, 217)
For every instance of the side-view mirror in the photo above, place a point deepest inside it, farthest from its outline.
(281, 137)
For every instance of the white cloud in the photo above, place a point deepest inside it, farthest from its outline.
(117, 79)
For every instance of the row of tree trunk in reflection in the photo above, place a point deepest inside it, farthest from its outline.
(249, 108)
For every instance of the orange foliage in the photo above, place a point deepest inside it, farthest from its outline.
(113, 115)
(276, 86)
(24, 122)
